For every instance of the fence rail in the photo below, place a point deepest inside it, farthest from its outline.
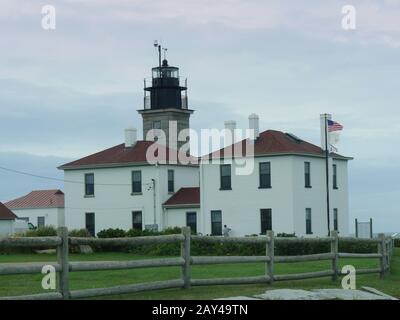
(63, 267)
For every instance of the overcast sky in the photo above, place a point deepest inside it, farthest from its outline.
(69, 92)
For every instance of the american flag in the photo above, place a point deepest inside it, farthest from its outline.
(334, 126)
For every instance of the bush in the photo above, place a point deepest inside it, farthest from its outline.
(301, 247)
(141, 233)
(119, 233)
(47, 231)
(397, 243)
(79, 233)
(111, 233)
(285, 235)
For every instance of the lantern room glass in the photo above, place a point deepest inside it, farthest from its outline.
(166, 72)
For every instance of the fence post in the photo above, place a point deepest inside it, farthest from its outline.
(185, 254)
(356, 224)
(270, 252)
(335, 253)
(387, 248)
(392, 247)
(62, 259)
(381, 250)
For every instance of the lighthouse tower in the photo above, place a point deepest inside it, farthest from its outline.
(165, 103)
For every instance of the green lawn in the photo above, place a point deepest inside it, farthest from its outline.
(26, 284)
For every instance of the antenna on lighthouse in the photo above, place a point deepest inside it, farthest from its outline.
(165, 53)
(158, 46)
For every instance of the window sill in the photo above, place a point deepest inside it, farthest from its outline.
(171, 192)
(335, 188)
(88, 196)
(308, 187)
(265, 187)
(136, 193)
(225, 189)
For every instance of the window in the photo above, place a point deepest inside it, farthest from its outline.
(335, 219)
(156, 124)
(90, 223)
(89, 184)
(308, 221)
(40, 222)
(334, 169)
(171, 180)
(191, 221)
(136, 181)
(225, 172)
(265, 175)
(307, 174)
(216, 223)
(137, 220)
(266, 220)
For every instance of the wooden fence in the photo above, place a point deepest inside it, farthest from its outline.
(63, 266)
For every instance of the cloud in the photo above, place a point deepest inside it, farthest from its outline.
(375, 20)
(14, 185)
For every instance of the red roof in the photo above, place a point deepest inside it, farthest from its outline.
(184, 196)
(5, 213)
(273, 142)
(120, 155)
(38, 199)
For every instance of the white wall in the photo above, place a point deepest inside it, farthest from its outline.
(241, 206)
(176, 217)
(51, 215)
(315, 197)
(288, 198)
(113, 204)
(6, 228)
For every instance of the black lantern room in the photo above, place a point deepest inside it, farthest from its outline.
(166, 90)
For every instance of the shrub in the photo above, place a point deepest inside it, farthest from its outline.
(285, 235)
(47, 231)
(79, 233)
(397, 243)
(172, 230)
(141, 233)
(111, 233)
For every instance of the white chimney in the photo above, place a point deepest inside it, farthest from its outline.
(254, 124)
(130, 137)
(230, 127)
(323, 118)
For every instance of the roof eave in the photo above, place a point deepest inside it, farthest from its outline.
(183, 205)
(277, 154)
(120, 165)
(35, 208)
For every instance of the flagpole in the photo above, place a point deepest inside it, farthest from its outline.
(327, 174)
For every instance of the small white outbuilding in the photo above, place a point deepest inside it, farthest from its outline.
(40, 208)
(7, 221)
